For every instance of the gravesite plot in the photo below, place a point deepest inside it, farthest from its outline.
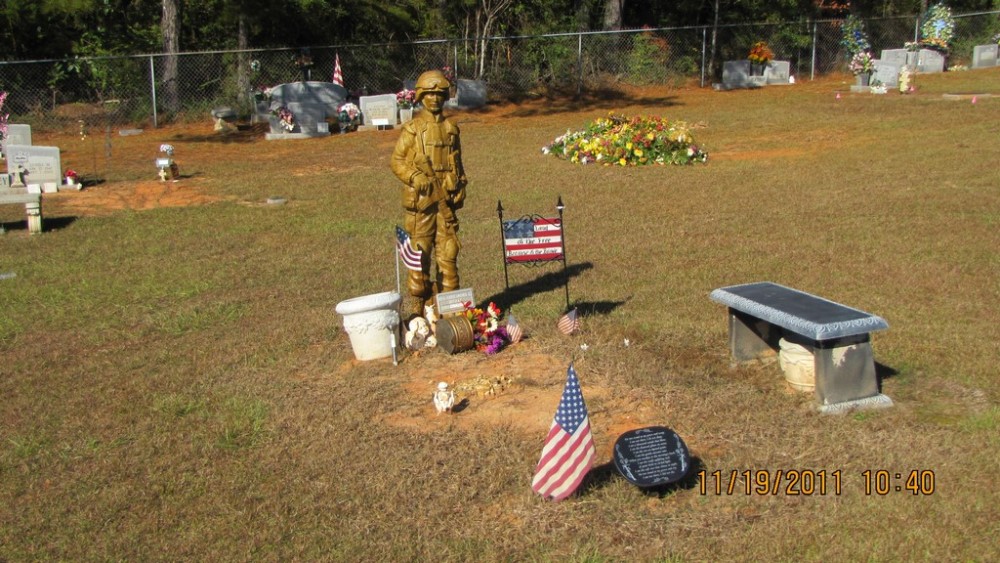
(177, 367)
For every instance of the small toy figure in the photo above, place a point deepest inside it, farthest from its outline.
(444, 398)
(163, 163)
(416, 336)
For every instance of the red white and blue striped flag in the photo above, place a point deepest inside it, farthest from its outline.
(533, 240)
(569, 449)
(514, 330)
(338, 76)
(569, 323)
(411, 257)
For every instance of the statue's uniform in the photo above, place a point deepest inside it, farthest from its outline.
(429, 146)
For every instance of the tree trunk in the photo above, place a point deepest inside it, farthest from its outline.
(170, 27)
(715, 31)
(242, 60)
(613, 14)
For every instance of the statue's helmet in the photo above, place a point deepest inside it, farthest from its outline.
(432, 81)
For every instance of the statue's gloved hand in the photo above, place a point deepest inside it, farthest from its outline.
(422, 184)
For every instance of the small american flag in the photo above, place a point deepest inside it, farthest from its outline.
(338, 76)
(569, 323)
(514, 330)
(569, 451)
(411, 257)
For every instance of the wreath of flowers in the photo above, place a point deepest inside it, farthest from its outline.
(760, 53)
(487, 334)
(285, 118)
(853, 38)
(938, 28)
(618, 140)
(862, 63)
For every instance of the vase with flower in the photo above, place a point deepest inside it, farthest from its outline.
(862, 65)
(348, 117)
(760, 55)
(405, 99)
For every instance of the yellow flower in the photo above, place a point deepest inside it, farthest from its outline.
(637, 152)
(621, 161)
(650, 136)
(628, 145)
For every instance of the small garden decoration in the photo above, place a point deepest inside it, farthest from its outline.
(938, 28)
(618, 140)
(760, 53)
(853, 38)
(488, 336)
(349, 116)
(862, 63)
(285, 118)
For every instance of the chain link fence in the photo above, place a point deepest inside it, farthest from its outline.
(150, 90)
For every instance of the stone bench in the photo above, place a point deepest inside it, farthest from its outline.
(762, 313)
(32, 204)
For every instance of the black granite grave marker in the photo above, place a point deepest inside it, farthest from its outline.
(650, 457)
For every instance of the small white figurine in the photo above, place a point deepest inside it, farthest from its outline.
(416, 336)
(431, 315)
(444, 398)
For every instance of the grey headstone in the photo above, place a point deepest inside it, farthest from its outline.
(887, 73)
(307, 116)
(326, 94)
(469, 94)
(736, 74)
(42, 163)
(894, 56)
(985, 56)
(17, 134)
(378, 107)
(929, 60)
(777, 72)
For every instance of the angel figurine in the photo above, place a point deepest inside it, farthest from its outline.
(444, 398)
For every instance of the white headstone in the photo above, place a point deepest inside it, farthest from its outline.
(41, 163)
(985, 56)
(777, 72)
(378, 107)
(17, 134)
(887, 73)
(929, 60)
(895, 56)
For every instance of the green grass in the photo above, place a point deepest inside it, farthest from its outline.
(176, 385)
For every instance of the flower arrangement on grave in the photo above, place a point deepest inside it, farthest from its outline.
(487, 334)
(617, 140)
(261, 93)
(878, 88)
(3, 116)
(938, 28)
(853, 36)
(760, 53)
(862, 63)
(904, 81)
(285, 118)
(449, 73)
(71, 176)
(405, 98)
(349, 116)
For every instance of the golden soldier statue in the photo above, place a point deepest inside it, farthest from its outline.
(428, 159)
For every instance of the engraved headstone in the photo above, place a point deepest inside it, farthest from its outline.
(777, 72)
(469, 94)
(378, 107)
(652, 456)
(985, 56)
(895, 56)
(310, 102)
(886, 73)
(929, 60)
(736, 74)
(450, 302)
(42, 164)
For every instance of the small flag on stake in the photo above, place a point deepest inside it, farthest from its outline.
(569, 323)
(569, 451)
(338, 76)
(411, 257)
(514, 331)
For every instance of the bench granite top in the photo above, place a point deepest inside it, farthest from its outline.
(797, 311)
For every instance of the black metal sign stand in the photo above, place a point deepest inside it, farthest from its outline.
(523, 222)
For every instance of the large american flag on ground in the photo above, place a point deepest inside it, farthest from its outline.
(533, 240)
(338, 76)
(411, 257)
(569, 450)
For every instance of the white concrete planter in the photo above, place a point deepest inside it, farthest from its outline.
(371, 321)
(798, 364)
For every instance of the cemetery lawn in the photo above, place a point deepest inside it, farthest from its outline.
(176, 385)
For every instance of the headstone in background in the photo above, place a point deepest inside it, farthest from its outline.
(929, 60)
(327, 95)
(985, 56)
(17, 134)
(41, 163)
(651, 457)
(736, 74)
(469, 94)
(308, 116)
(887, 73)
(382, 106)
(894, 56)
(777, 72)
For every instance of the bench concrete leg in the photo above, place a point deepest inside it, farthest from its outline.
(34, 217)
(751, 338)
(845, 375)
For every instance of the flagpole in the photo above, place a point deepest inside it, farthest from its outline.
(399, 308)
(562, 225)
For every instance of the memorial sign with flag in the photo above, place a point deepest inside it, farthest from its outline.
(410, 256)
(338, 76)
(568, 453)
(533, 240)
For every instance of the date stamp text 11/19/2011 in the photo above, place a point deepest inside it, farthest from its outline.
(808, 482)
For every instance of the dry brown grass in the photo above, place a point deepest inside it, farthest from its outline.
(176, 384)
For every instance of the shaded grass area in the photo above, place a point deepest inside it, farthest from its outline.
(176, 385)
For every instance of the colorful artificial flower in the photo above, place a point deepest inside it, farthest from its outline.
(617, 140)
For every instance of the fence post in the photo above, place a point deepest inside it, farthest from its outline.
(579, 63)
(704, 38)
(152, 87)
(812, 64)
(916, 29)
